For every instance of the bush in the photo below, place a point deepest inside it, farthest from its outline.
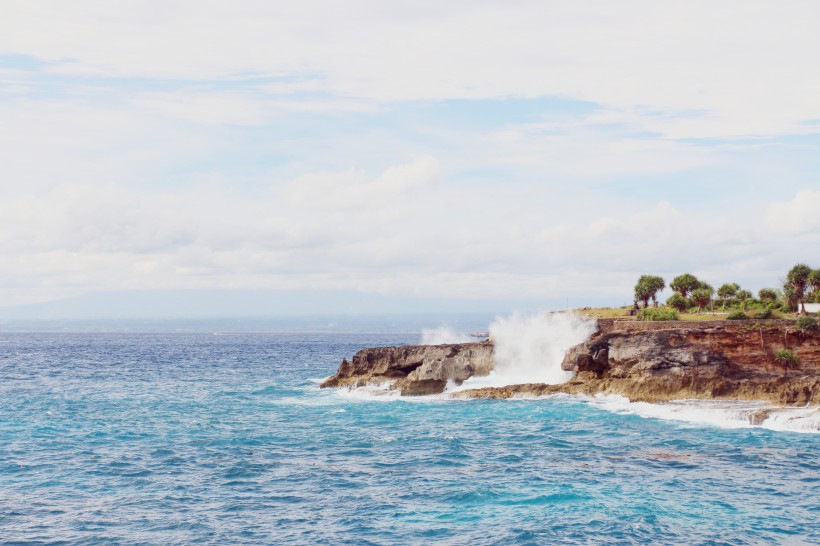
(658, 313)
(736, 315)
(767, 295)
(678, 302)
(785, 358)
(764, 313)
(807, 324)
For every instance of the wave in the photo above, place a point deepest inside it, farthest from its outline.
(531, 348)
(719, 413)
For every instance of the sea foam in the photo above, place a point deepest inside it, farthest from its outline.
(531, 348)
(718, 413)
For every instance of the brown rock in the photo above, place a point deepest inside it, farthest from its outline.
(644, 361)
(415, 369)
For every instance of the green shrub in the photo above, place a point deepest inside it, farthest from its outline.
(764, 313)
(678, 302)
(767, 295)
(658, 313)
(785, 358)
(807, 324)
(736, 315)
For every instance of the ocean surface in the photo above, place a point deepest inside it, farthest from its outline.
(227, 439)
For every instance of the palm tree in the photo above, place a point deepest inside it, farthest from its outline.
(798, 278)
(814, 282)
(727, 291)
(647, 288)
(683, 284)
(702, 297)
(767, 295)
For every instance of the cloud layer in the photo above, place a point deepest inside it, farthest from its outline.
(473, 150)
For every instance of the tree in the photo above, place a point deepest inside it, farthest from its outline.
(814, 282)
(678, 302)
(683, 284)
(789, 297)
(702, 297)
(727, 291)
(798, 278)
(647, 288)
(767, 295)
(743, 296)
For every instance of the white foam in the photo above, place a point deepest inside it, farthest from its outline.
(531, 348)
(719, 413)
(443, 335)
(371, 391)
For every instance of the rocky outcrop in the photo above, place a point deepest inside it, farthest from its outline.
(645, 361)
(415, 369)
(660, 361)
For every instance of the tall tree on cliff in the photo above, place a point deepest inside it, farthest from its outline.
(767, 295)
(814, 282)
(647, 288)
(727, 291)
(702, 296)
(798, 278)
(683, 284)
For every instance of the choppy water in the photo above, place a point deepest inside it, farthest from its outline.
(183, 439)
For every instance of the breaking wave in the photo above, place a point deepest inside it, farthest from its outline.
(531, 348)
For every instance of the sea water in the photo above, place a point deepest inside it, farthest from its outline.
(227, 439)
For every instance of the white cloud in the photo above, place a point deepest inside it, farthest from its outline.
(584, 147)
(207, 108)
(728, 69)
(354, 189)
(800, 216)
(281, 152)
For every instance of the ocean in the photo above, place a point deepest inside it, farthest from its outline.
(198, 438)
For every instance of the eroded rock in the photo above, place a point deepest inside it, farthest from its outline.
(415, 369)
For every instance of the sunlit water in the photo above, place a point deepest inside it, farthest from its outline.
(205, 439)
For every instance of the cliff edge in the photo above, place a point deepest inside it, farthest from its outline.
(662, 361)
(414, 369)
(644, 361)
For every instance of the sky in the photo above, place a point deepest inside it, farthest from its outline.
(464, 151)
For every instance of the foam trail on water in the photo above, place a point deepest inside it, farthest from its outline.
(442, 335)
(719, 413)
(531, 348)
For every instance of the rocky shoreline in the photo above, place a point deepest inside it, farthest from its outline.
(644, 361)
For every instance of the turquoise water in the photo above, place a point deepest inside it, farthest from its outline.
(206, 439)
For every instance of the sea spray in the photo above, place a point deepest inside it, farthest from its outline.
(531, 349)
(443, 335)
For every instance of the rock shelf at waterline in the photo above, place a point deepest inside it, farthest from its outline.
(644, 361)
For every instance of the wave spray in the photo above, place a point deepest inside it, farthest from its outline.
(531, 348)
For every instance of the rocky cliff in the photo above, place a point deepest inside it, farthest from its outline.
(659, 361)
(648, 361)
(415, 369)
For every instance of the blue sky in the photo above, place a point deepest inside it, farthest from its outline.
(474, 151)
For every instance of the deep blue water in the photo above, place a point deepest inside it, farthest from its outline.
(205, 439)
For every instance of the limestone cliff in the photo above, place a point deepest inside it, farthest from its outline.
(649, 361)
(415, 369)
(659, 361)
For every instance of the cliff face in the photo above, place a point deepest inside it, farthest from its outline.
(416, 369)
(648, 361)
(658, 361)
